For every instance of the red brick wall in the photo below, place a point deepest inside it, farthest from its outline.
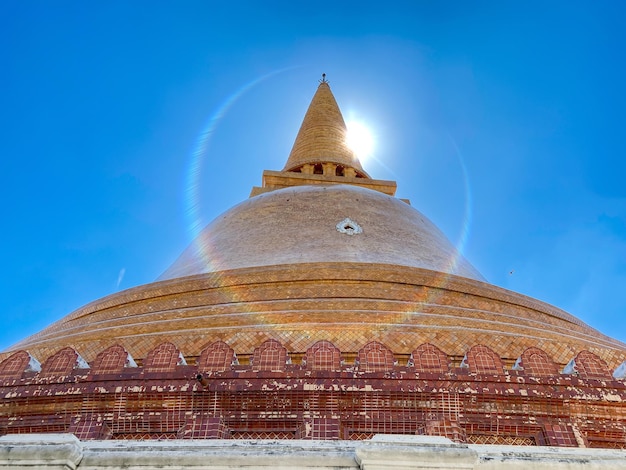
(322, 397)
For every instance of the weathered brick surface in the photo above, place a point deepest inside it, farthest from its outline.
(270, 356)
(204, 427)
(375, 357)
(429, 358)
(320, 429)
(537, 362)
(590, 365)
(323, 355)
(14, 366)
(482, 360)
(163, 358)
(61, 363)
(216, 357)
(512, 407)
(110, 361)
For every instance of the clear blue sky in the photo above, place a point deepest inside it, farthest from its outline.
(103, 103)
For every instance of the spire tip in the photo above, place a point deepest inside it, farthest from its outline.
(323, 80)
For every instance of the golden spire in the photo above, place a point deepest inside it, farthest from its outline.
(322, 135)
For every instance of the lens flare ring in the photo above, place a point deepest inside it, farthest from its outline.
(429, 297)
(195, 222)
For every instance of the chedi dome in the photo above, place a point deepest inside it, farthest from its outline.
(323, 307)
(321, 223)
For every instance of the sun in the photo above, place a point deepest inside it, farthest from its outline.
(360, 140)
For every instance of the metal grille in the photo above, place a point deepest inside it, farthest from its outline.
(604, 444)
(263, 435)
(607, 438)
(144, 436)
(501, 440)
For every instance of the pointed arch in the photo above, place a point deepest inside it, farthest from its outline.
(375, 357)
(536, 362)
(112, 360)
(429, 358)
(14, 366)
(62, 363)
(482, 360)
(164, 358)
(323, 355)
(591, 366)
(216, 357)
(270, 356)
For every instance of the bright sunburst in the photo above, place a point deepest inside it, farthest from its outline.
(360, 140)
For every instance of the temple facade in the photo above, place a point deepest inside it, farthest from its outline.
(322, 308)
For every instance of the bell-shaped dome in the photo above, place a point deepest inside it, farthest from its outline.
(308, 224)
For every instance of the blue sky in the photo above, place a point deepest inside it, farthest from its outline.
(501, 121)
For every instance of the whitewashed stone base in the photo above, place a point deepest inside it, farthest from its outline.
(383, 452)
